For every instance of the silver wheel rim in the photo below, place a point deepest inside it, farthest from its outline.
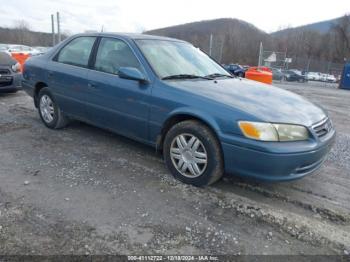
(188, 155)
(46, 108)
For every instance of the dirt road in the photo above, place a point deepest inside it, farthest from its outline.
(83, 190)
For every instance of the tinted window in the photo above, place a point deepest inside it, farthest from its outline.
(77, 52)
(113, 54)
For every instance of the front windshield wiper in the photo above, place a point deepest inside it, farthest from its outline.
(215, 75)
(186, 76)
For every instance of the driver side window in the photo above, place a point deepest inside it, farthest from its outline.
(113, 54)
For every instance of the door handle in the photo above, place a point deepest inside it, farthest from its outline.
(91, 85)
(50, 74)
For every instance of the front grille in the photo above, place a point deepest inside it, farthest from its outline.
(7, 83)
(5, 77)
(4, 72)
(323, 128)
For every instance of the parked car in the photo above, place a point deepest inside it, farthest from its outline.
(294, 76)
(41, 49)
(10, 76)
(323, 77)
(236, 70)
(4, 49)
(204, 121)
(338, 78)
(314, 76)
(331, 79)
(22, 49)
(277, 74)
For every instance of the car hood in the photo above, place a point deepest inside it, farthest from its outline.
(266, 102)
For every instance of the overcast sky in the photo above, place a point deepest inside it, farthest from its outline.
(136, 16)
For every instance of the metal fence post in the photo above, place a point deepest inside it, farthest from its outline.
(53, 30)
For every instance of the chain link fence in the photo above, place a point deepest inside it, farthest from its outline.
(326, 71)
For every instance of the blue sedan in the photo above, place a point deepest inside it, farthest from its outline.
(168, 94)
(235, 69)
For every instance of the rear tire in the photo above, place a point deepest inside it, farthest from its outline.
(193, 154)
(49, 111)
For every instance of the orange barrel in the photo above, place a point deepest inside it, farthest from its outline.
(261, 74)
(20, 57)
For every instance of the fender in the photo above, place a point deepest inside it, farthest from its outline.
(186, 113)
(195, 114)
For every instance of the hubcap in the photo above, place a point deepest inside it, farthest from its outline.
(46, 108)
(188, 155)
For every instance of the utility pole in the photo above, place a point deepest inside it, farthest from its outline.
(222, 47)
(53, 30)
(260, 54)
(308, 65)
(58, 27)
(210, 44)
(285, 57)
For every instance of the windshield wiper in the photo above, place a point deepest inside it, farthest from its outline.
(186, 76)
(215, 75)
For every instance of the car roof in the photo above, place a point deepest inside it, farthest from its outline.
(133, 36)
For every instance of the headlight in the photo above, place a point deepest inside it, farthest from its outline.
(273, 132)
(291, 132)
(259, 131)
(16, 68)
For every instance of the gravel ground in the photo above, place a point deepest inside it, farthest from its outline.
(82, 190)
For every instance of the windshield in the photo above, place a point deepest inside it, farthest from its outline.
(169, 58)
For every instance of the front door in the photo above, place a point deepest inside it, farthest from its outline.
(115, 103)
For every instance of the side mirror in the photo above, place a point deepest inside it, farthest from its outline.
(132, 73)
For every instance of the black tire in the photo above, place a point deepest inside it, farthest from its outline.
(215, 165)
(59, 120)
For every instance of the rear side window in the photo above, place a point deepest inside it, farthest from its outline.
(77, 52)
(113, 54)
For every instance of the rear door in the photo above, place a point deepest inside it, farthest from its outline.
(67, 75)
(113, 102)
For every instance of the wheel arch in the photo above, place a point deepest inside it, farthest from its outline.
(180, 116)
(37, 88)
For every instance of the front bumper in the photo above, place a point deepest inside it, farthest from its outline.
(276, 166)
(10, 83)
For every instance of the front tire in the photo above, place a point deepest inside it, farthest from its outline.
(49, 111)
(193, 154)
